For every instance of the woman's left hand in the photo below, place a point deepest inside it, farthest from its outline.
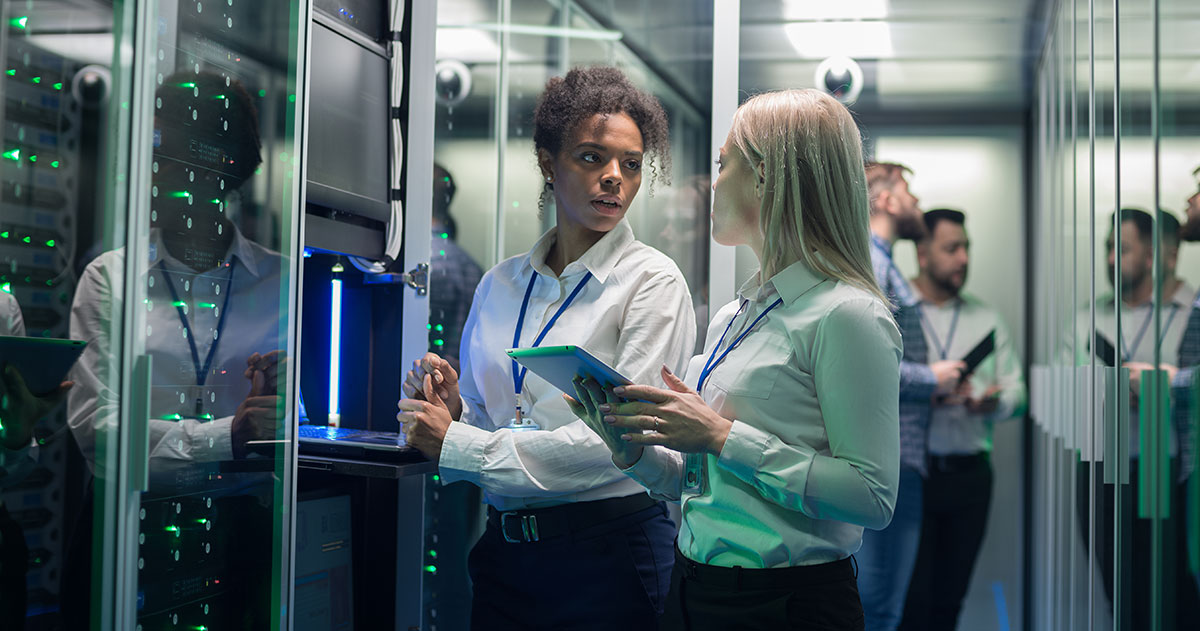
(676, 418)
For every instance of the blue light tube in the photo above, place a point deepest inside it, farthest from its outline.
(335, 350)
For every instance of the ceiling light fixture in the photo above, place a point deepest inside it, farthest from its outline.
(860, 40)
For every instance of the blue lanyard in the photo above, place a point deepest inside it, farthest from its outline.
(710, 365)
(1137, 341)
(518, 371)
(201, 371)
(943, 351)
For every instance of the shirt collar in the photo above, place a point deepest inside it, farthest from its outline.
(600, 259)
(240, 248)
(790, 284)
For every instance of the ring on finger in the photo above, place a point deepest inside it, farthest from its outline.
(656, 422)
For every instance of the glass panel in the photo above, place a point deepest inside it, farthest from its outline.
(213, 296)
(63, 159)
(1175, 508)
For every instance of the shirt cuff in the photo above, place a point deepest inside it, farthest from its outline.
(653, 471)
(213, 440)
(462, 453)
(917, 381)
(744, 449)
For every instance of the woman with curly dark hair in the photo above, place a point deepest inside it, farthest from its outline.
(571, 542)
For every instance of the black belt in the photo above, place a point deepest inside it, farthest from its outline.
(957, 463)
(527, 526)
(796, 576)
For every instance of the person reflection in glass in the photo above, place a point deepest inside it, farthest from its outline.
(20, 410)
(211, 324)
(1136, 349)
(453, 274)
(1186, 391)
(212, 295)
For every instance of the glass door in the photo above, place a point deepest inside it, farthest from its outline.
(212, 258)
(64, 199)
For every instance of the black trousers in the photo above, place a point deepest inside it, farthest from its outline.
(14, 564)
(610, 577)
(958, 494)
(710, 598)
(1180, 599)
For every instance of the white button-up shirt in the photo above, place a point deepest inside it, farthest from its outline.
(252, 324)
(814, 453)
(635, 315)
(952, 429)
(1136, 342)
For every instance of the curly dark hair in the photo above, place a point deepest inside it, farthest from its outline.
(584, 92)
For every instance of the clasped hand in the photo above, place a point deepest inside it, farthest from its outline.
(676, 418)
(432, 403)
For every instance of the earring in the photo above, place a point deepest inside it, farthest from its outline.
(549, 179)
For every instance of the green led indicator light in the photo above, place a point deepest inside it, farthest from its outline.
(58, 86)
(202, 520)
(171, 417)
(27, 240)
(12, 72)
(55, 164)
(4, 235)
(440, 328)
(442, 252)
(215, 200)
(178, 303)
(12, 154)
(516, 204)
(21, 22)
(49, 283)
(50, 243)
(187, 84)
(433, 553)
(432, 569)
(6, 288)
(436, 477)
(439, 342)
(36, 80)
(33, 158)
(181, 194)
(174, 529)
(291, 98)
(219, 97)
(206, 305)
(445, 235)
(262, 93)
(207, 417)
(428, 327)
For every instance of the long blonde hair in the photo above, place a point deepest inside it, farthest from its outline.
(815, 207)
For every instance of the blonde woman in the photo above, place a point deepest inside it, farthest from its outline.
(782, 440)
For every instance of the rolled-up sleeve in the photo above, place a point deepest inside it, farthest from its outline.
(855, 359)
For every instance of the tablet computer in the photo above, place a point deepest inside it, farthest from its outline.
(559, 365)
(981, 351)
(1104, 349)
(42, 361)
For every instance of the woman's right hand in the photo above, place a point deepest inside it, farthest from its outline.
(442, 376)
(588, 397)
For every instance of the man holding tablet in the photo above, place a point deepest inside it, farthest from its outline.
(958, 488)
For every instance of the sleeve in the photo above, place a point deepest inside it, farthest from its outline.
(660, 470)
(658, 327)
(92, 406)
(11, 322)
(917, 381)
(1003, 369)
(857, 482)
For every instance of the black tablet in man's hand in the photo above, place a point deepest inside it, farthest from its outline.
(981, 351)
(1104, 349)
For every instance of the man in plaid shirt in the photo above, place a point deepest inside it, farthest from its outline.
(887, 557)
